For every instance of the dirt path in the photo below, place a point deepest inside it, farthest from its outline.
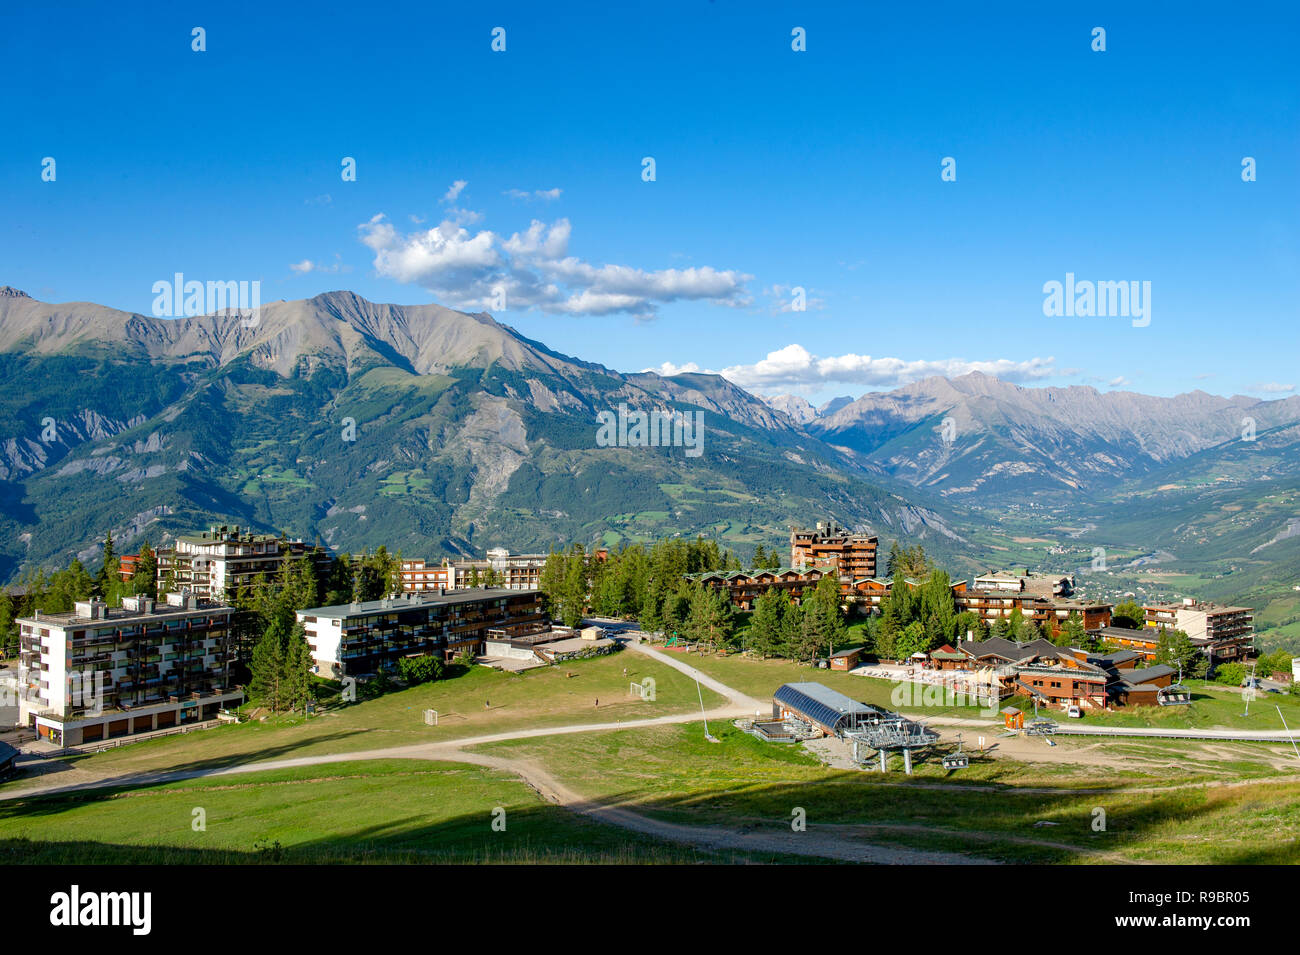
(823, 842)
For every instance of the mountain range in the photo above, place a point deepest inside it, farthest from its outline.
(435, 431)
(426, 429)
(979, 437)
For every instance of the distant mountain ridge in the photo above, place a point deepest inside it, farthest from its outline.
(361, 423)
(978, 435)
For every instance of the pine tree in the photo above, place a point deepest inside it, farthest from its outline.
(1072, 632)
(791, 630)
(1175, 648)
(107, 578)
(1015, 623)
(823, 620)
(145, 579)
(296, 680)
(573, 593)
(266, 685)
(765, 624)
(912, 640)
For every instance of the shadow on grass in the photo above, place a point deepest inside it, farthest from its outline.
(178, 772)
(534, 834)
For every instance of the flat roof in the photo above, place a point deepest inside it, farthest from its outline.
(414, 601)
(121, 614)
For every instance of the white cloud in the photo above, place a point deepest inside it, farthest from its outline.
(456, 189)
(543, 195)
(541, 242)
(465, 269)
(432, 255)
(307, 265)
(795, 367)
(668, 369)
(1118, 381)
(1273, 388)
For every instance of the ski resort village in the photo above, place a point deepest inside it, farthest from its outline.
(810, 669)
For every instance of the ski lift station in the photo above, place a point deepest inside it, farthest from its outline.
(828, 710)
(866, 728)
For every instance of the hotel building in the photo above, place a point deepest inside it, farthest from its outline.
(97, 673)
(1225, 634)
(216, 563)
(511, 572)
(355, 638)
(853, 556)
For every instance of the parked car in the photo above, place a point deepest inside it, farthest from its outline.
(1075, 713)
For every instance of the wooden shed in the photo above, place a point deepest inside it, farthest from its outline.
(846, 659)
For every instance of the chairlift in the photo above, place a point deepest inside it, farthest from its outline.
(1175, 694)
(957, 760)
(1041, 727)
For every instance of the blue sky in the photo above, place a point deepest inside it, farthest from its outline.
(774, 169)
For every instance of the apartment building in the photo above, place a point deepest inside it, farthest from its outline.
(517, 571)
(745, 587)
(1223, 633)
(97, 672)
(356, 638)
(508, 571)
(852, 556)
(127, 565)
(1033, 584)
(1045, 599)
(418, 576)
(1144, 642)
(214, 564)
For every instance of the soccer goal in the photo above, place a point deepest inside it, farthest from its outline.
(430, 717)
(637, 690)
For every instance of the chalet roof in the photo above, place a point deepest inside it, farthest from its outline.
(1123, 633)
(1156, 672)
(1008, 650)
(1113, 659)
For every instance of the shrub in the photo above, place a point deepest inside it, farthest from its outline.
(420, 669)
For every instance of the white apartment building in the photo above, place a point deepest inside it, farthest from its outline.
(97, 673)
(1226, 633)
(510, 571)
(357, 638)
(216, 563)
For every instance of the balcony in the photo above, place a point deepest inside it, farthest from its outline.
(84, 658)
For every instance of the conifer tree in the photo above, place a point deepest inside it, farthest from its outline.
(266, 685)
(765, 624)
